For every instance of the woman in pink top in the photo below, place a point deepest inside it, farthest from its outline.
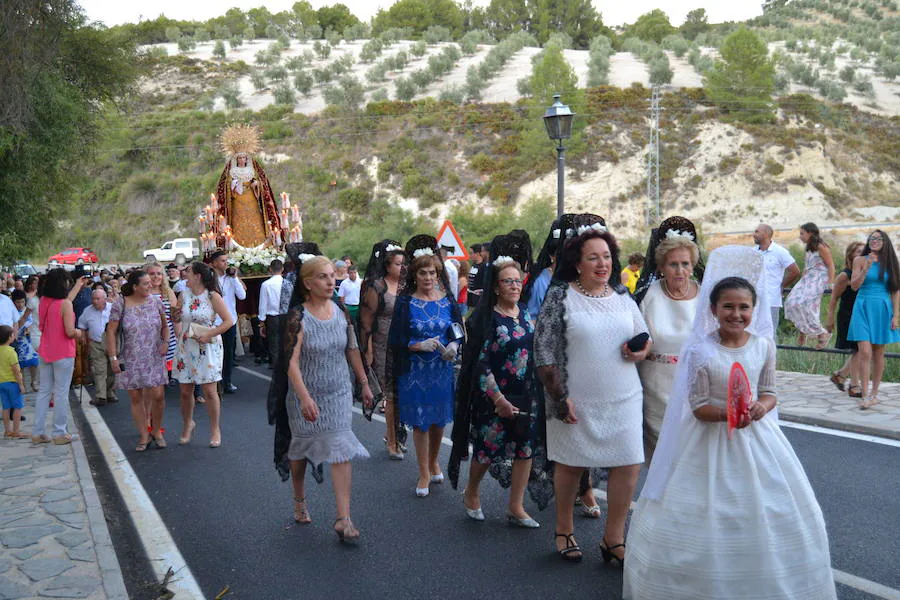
(57, 352)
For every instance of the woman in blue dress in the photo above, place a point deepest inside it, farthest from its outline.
(876, 313)
(424, 344)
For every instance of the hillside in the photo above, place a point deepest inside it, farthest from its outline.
(443, 129)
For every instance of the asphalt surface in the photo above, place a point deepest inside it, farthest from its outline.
(230, 515)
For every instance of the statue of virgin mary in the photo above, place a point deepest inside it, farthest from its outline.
(245, 197)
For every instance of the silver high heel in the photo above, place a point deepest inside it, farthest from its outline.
(527, 522)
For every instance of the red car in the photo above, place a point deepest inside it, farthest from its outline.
(74, 256)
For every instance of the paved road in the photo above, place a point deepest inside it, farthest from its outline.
(227, 510)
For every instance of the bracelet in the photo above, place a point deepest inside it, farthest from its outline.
(113, 358)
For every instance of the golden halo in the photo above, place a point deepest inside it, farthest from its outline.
(241, 137)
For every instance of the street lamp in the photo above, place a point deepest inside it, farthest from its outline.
(558, 120)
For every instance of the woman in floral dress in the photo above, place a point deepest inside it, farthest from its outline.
(505, 412)
(198, 360)
(803, 303)
(140, 364)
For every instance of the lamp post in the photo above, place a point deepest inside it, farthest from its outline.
(558, 120)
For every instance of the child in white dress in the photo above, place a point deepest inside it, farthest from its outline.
(727, 518)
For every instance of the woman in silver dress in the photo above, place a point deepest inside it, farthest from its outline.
(320, 399)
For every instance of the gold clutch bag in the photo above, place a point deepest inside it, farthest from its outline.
(196, 329)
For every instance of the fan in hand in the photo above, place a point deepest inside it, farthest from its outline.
(739, 396)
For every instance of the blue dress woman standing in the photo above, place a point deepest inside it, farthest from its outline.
(424, 347)
(874, 323)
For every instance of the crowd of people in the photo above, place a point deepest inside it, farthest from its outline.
(507, 350)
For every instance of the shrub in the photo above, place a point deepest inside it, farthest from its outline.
(379, 95)
(235, 41)
(598, 61)
(201, 35)
(474, 83)
(323, 74)
(454, 93)
(419, 48)
(303, 82)
(660, 71)
(277, 73)
(258, 80)
(284, 94)
(231, 95)
(295, 64)
(404, 89)
(773, 167)
(333, 37)
(847, 74)
(219, 50)
(322, 50)
(186, 44)
(173, 34)
(677, 44)
(436, 34)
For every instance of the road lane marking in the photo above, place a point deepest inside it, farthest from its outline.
(864, 585)
(158, 544)
(874, 439)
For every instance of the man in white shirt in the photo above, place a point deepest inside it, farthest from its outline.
(8, 314)
(452, 271)
(269, 300)
(348, 293)
(233, 289)
(781, 269)
(93, 320)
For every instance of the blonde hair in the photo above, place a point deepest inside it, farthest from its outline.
(669, 244)
(164, 286)
(311, 266)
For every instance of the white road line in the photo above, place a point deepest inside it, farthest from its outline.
(864, 585)
(874, 439)
(155, 538)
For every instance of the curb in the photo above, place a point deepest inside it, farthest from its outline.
(110, 571)
(158, 544)
(831, 424)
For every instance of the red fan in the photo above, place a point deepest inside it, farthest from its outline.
(739, 396)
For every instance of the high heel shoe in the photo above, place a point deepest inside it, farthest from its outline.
(476, 514)
(527, 522)
(438, 479)
(609, 556)
(348, 534)
(187, 439)
(569, 552)
(301, 512)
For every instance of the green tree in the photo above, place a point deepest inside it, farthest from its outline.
(173, 34)
(336, 17)
(695, 23)
(652, 26)
(577, 19)
(304, 14)
(219, 50)
(419, 15)
(743, 80)
(59, 77)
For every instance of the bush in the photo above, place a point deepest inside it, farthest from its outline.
(357, 31)
(323, 74)
(523, 86)
(277, 73)
(419, 48)
(474, 83)
(349, 94)
(598, 61)
(186, 44)
(322, 50)
(284, 94)
(201, 35)
(773, 167)
(303, 83)
(380, 95)
(454, 93)
(660, 71)
(847, 74)
(231, 95)
(404, 89)
(333, 38)
(235, 41)
(863, 85)
(258, 80)
(677, 44)
(173, 34)
(436, 34)
(219, 50)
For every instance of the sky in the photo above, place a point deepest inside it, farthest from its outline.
(115, 12)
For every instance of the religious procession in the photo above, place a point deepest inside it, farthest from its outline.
(553, 368)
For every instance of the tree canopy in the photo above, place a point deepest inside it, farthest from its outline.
(419, 15)
(652, 27)
(695, 23)
(743, 79)
(58, 74)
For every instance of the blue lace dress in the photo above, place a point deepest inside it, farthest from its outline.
(425, 392)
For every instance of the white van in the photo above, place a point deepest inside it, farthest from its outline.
(179, 250)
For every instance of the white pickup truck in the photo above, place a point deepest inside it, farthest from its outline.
(179, 250)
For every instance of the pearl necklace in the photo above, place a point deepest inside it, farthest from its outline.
(673, 296)
(602, 293)
(503, 312)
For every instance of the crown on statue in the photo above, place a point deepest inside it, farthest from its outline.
(241, 138)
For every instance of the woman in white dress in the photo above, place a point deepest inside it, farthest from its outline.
(593, 414)
(198, 360)
(668, 306)
(727, 516)
(804, 303)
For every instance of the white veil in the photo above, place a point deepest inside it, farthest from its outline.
(726, 261)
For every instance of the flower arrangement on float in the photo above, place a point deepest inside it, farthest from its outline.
(254, 261)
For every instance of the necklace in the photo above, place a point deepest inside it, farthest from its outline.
(673, 296)
(503, 311)
(588, 294)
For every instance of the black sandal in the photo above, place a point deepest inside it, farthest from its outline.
(610, 556)
(571, 547)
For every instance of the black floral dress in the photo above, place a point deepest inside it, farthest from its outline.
(505, 364)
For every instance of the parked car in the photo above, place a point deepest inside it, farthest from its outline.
(74, 256)
(24, 269)
(179, 250)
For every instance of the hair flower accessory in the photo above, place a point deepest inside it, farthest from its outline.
(556, 234)
(393, 248)
(675, 234)
(378, 254)
(570, 233)
(305, 257)
(423, 252)
(503, 260)
(596, 227)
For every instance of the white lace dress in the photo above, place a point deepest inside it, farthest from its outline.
(605, 389)
(737, 518)
(670, 323)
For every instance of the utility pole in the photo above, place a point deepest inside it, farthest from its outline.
(653, 211)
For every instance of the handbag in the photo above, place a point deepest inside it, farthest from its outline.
(196, 329)
(377, 392)
(522, 420)
(120, 332)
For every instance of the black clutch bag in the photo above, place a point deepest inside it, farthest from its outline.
(377, 393)
(637, 343)
(522, 419)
